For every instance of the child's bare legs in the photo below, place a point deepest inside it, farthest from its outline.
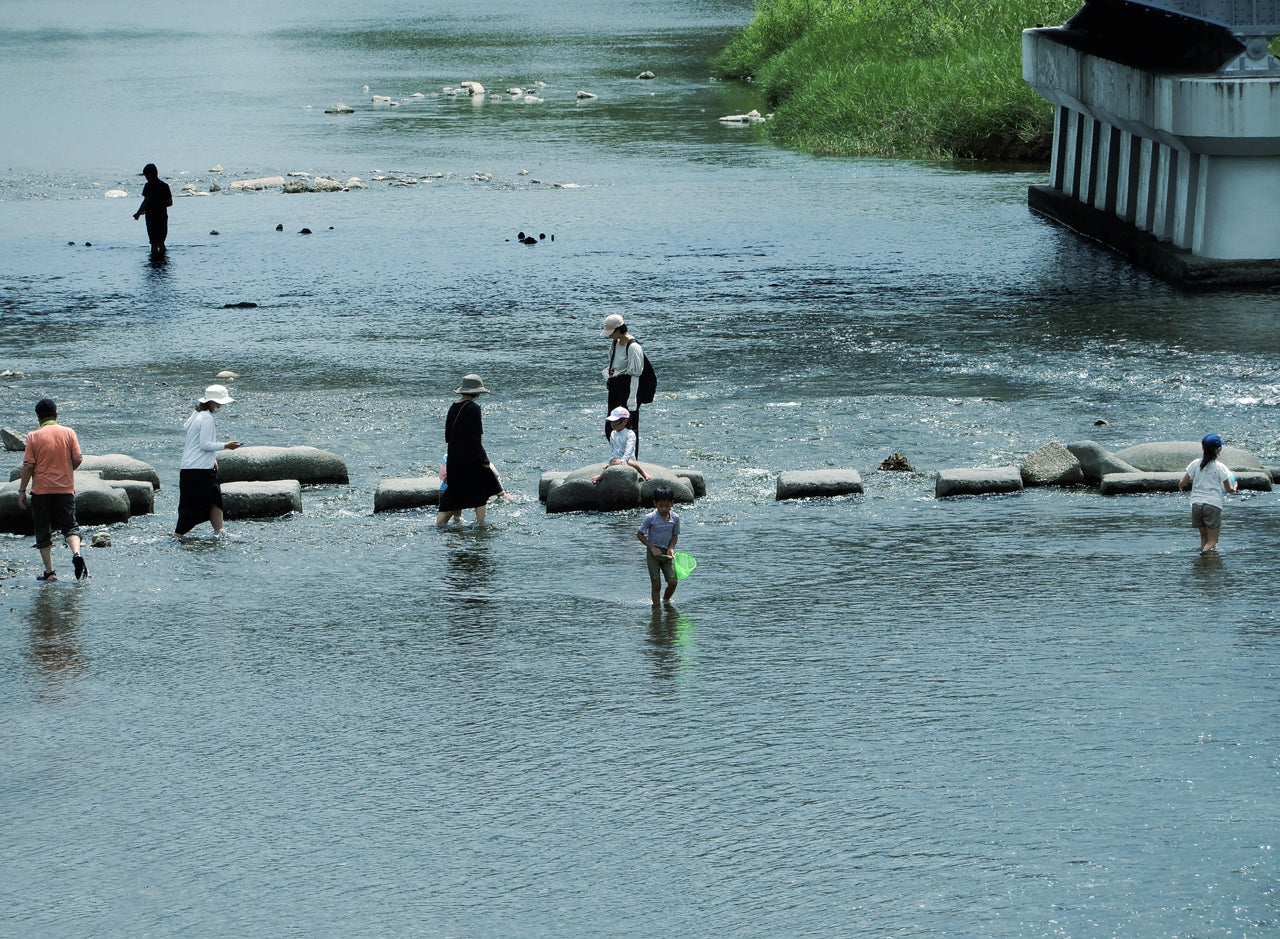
(1208, 538)
(639, 469)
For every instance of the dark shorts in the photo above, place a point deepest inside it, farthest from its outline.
(198, 492)
(157, 227)
(1205, 516)
(53, 512)
(660, 565)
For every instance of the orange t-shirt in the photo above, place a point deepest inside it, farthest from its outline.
(53, 451)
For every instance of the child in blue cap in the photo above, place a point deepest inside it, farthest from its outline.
(1208, 478)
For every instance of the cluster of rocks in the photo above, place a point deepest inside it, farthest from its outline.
(619, 488)
(1143, 468)
(257, 482)
(473, 90)
(297, 182)
(266, 482)
(110, 489)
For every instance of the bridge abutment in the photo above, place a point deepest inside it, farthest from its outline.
(1179, 172)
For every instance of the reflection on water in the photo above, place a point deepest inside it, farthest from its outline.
(53, 645)
(671, 642)
(468, 571)
(1209, 572)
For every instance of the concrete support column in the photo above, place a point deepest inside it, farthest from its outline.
(1127, 174)
(1058, 161)
(1072, 148)
(1165, 197)
(1106, 191)
(1144, 216)
(1186, 199)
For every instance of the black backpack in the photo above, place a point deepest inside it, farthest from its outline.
(648, 379)
(648, 383)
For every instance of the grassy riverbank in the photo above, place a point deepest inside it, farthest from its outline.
(905, 78)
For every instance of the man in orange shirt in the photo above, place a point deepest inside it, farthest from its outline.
(49, 465)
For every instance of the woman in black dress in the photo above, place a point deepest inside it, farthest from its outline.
(469, 476)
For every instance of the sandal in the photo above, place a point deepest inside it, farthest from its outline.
(82, 570)
(47, 575)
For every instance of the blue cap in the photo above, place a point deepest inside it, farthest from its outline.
(1210, 441)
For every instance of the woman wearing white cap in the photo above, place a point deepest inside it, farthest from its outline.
(199, 495)
(471, 480)
(622, 377)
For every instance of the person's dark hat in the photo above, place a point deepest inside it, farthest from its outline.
(46, 407)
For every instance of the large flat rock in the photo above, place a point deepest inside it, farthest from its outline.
(619, 489)
(142, 495)
(1097, 461)
(262, 499)
(308, 465)
(976, 482)
(1121, 484)
(111, 466)
(803, 484)
(97, 503)
(1170, 456)
(412, 493)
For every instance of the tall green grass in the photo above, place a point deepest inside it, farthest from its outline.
(905, 78)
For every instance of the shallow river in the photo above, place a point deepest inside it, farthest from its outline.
(886, 715)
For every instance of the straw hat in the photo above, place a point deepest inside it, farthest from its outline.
(471, 385)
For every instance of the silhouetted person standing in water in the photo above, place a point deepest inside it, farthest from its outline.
(156, 199)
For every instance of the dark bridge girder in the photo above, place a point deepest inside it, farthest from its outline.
(1178, 36)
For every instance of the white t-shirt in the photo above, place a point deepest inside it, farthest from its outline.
(622, 444)
(628, 361)
(202, 442)
(1206, 484)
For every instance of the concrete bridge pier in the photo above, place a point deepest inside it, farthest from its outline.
(1177, 168)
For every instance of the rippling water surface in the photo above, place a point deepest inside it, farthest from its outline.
(1040, 715)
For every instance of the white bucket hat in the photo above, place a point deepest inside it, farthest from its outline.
(217, 394)
(611, 322)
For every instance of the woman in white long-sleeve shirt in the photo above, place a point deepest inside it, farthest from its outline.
(622, 377)
(199, 494)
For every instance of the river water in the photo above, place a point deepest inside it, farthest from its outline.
(888, 715)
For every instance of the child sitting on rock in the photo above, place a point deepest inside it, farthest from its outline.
(622, 444)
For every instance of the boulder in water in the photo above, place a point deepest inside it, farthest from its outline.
(803, 484)
(416, 492)
(1096, 461)
(308, 465)
(266, 499)
(1052, 465)
(973, 482)
(620, 488)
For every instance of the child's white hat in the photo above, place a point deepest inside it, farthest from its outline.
(618, 414)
